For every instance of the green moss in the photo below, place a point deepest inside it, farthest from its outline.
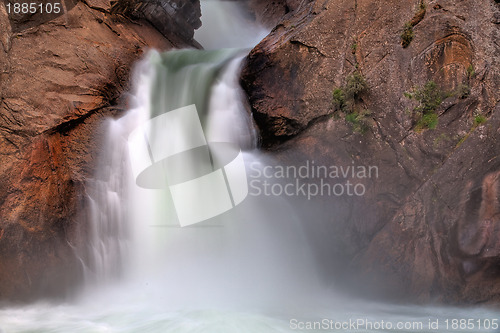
(407, 35)
(471, 72)
(462, 140)
(479, 119)
(462, 91)
(429, 120)
(351, 118)
(339, 98)
(354, 47)
(408, 95)
(359, 121)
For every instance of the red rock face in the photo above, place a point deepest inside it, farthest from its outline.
(427, 227)
(59, 78)
(269, 13)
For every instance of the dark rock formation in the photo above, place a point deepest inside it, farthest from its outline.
(269, 13)
(428, 226)
(59, 78)
(173, 18)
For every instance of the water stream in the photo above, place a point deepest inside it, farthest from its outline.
(249, 269)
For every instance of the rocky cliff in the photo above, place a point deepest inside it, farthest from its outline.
(411, 87)
(269, 13)
(60, 75)
(416, 94)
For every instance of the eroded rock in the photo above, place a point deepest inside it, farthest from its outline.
(59, 78)
(413, 235)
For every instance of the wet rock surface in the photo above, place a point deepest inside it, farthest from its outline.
(427, 227)
(175, 19)
(60, 77)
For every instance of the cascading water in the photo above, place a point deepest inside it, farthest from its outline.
(105, 246)
(247, 270)
(239, 258)
(166, 82)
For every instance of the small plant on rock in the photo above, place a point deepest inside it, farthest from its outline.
(462, 91)
(479, 119)
(407, 35)
(356, 84)
(429, 121)
(339, 98)
(345, 99)
(429, 98)
(354, 47)
(471, 72)
(359, 120)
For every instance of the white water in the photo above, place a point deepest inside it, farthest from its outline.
(250, 270)
(226, 25)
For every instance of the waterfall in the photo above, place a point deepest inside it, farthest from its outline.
(247, 269)
(226, 25)
(256, 250)
(105, 224)
(164, 82)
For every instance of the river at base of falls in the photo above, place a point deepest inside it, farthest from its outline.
(119, 311)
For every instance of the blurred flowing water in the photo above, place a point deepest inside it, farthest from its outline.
(248, 270)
